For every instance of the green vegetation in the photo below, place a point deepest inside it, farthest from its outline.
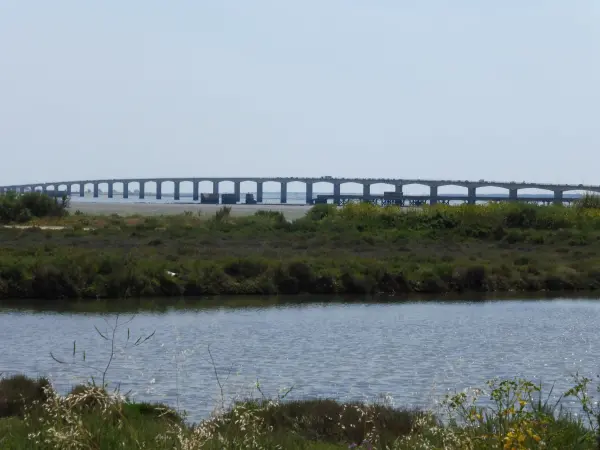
(24, 207)
(518, 417)
(358, 249)
(588, 201)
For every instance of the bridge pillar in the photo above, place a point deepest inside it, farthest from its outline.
(259, 192)
(125, 189)
(433, 195)
(237, 190)
(472, 197)
(336, 193)
(176, 192)
(82, 189)
(95, 190)
(158, 190)
(366, 189)
(22, 189)
(215, 187)
(309, 193)
(142, 189)
(195, 195)
(111, 189)
(283, 196)
(513, 195)
(558, 197)
(44, 189)
(69, 190)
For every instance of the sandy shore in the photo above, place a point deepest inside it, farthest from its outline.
(291, 212)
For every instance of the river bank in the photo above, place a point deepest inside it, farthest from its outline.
(34, 416)
(358, 249)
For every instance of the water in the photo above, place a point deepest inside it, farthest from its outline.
(413, 352)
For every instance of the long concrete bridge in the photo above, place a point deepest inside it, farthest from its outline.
(396, 184)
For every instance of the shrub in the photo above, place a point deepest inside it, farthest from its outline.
(23, 207)
(223, 214)
(19, 392)
(321, 211)
(588, 201)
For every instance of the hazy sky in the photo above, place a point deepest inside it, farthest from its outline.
(433, 89)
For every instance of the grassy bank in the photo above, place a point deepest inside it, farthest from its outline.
(358, 249)
(33, 416)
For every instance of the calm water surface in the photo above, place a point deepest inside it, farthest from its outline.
(413, 352)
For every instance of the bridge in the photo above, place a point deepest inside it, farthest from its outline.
(396, 195)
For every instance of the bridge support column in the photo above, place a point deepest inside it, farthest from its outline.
(366, 189)
(195, 195)
(513, 195)
(237, 190)
(283, 196)
(309, 193)
(95, 190)
(472, 197)
(44, 189)
(433, 195)
(22, 190)
(125, 189)
(142, 190)
(176, 190)
(259, 192)
(69, 190)
(81, 189)
(110, 190)
(215, 187)
(336, 193)
(558, 197)
(158, 190)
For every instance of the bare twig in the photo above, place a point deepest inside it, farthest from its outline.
(111, 336)
(217, 378)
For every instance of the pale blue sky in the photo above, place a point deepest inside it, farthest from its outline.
(433, 89)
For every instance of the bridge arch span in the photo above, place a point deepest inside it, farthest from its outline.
(415, 188)
(133, 188)
(496, 192)
(454, 192)
(531, 193)
(298, 191)
(380, 188)
(150, 189)
(351, 187)
(323, 187)
(268, 191)
(205, 186)
(119, 188)
(573, 194)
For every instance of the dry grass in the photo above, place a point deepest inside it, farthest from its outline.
(90, 418)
